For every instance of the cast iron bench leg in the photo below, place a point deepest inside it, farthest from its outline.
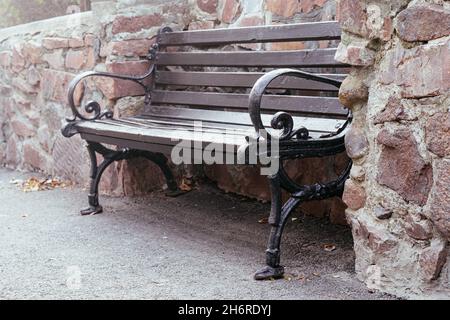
(278, 217)
(110, 156)
(279, 213)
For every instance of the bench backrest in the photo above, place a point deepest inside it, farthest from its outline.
(214, 70)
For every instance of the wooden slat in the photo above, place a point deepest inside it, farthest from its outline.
(159, 136)
(241, 80)
(322, 58)
(329, 30)
(234, 119)
(309, 105)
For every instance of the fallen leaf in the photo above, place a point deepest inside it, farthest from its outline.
(185, 186)
(289, 276)
(263, 221)
(34, 184)
(329, 247)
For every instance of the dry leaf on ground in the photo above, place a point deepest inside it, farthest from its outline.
(329, 247)
(34, 184)
(185, 186)
(263, 221)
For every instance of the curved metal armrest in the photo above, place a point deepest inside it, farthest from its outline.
(93, 107)
(281, 120)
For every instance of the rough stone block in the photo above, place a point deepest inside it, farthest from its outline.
(354, 195)
(135, 24)
(55, 43)
(423, 22)
(437, 133)
(132, 48)
(401, 167)
(440, 203)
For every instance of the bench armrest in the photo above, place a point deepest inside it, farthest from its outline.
(281, 120)
(93, 107)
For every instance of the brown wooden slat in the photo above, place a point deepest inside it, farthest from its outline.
(310, 105)
(322, 58)
(328, 30)
(241, 80)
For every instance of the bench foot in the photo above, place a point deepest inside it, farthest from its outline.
(269, 273)
(111, 156)
(91, 211)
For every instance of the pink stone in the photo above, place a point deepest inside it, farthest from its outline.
(89, 40)
(91, 56)
(54, 85)
(75, 60)
(284, 8)
(209, 6)
(353, 91)
(114, 89)
(22, 128)
(393, 111)
(356, 143)
(419, 71)
(419, 230)
(432, 259)
(352, 16)
(230, 11)
(32, 52)
(440, 203)
(76, 42)
(18, 62)
(55, 43)
(423, 22)
(437, 134)
(5, 58)
(354, 195)
(32, 156)
(132, 48)
(136, 24)
(12, 152)
(355, 54)
(401, 167)
(201, 25)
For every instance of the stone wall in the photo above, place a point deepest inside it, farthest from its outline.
(399, 192)
(38, 60)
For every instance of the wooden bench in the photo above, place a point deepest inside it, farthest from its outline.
(204, 76)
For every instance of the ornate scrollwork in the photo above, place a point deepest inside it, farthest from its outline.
(93, 110)
(284, 121)
(281, 120)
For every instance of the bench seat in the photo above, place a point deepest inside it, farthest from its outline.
(166, 130)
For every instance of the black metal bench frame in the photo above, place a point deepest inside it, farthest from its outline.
(294, 142)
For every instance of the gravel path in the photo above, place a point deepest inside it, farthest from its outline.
(203, 245)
